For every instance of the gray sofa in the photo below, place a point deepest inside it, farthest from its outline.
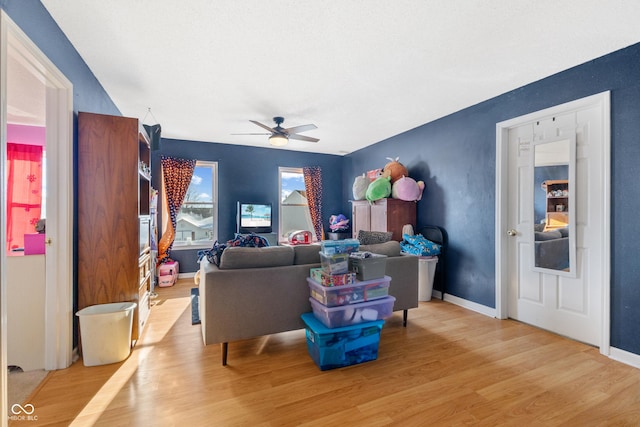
(552, 249)
(262, 291)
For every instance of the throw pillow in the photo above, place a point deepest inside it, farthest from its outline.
(373, 237)
(237, 257)
(390, 248)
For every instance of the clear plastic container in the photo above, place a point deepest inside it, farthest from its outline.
(352, 314)
(358, 292)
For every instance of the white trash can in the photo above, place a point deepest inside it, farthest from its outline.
(105, 331)
(426, 273)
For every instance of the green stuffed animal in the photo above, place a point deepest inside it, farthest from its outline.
(379, 189)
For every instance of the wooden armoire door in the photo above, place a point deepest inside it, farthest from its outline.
(108, 249)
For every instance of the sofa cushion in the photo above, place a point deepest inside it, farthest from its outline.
(547, 235)
(373, 237)
(241, 257)
(564, 231)
(306, 254)
(390, 248)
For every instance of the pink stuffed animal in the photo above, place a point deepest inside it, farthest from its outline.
(407, 189)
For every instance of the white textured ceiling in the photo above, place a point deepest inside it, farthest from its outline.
(361, 70)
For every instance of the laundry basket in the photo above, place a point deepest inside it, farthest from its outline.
(105, 331)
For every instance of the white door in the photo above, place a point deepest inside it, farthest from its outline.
(56, 100)
(571, 305)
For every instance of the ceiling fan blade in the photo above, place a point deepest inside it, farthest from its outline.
(262, 126)
(301, 128)
(303, 138)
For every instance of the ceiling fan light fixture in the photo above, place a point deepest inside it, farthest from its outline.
(278, 140)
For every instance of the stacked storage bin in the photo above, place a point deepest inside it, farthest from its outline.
(349, 299)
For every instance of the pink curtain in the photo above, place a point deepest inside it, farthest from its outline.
(24, 192)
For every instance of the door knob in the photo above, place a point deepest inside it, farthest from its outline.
(48, 241)
(512, 232)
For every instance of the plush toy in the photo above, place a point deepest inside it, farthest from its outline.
(379, 189)
(338, 223)
(360, 185)
(394, 169)
(407, 189)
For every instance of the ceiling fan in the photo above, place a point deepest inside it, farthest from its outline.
(280, 136)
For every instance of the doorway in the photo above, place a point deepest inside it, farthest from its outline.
(574, 300)
(38, 96)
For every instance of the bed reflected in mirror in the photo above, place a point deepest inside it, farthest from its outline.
(554, 239)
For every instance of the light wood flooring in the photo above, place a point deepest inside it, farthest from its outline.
(449, 366)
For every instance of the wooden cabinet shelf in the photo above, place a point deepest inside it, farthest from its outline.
(557, 210)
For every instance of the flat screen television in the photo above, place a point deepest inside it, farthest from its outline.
(254, 218)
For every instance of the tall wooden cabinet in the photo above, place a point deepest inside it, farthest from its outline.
(114, 260)
(557, 212)
(382, 215)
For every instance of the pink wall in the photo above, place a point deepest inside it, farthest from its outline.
(21, 134)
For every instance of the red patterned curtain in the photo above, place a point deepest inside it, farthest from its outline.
(24, 191)
(177, 175)
(313, 187)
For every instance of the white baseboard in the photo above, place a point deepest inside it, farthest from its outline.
(470, 305)
(625, 357)
(186, 275)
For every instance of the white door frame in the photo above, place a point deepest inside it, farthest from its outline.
(502, 225)
(59, 142)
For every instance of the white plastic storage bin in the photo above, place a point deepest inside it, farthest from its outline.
(352, 314)
(105, 331)
(426, 274)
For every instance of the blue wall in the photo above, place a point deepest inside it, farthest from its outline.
(455, 156)
(249, 174)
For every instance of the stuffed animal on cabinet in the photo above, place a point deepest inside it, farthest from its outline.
(394, 169)
(379, 189)
(407, 189)
(360, 185)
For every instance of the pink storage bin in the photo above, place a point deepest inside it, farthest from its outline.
(168, 274)
(34, 244)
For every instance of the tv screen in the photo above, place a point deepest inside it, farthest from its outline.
(254, 217)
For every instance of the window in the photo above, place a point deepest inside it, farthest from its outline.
(294, 210)
(196, 223)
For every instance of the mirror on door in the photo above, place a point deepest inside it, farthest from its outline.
(553, 205)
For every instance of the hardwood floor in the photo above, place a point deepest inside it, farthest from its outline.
(450, 366)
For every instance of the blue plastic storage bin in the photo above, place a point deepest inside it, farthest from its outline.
(340, 347)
